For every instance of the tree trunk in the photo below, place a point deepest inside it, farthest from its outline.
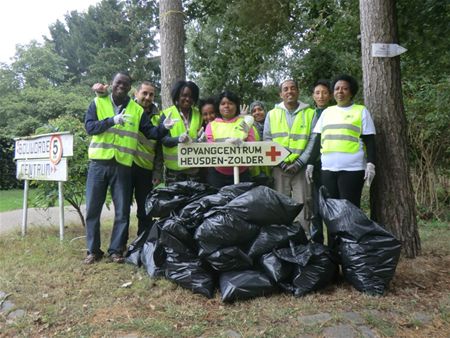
(392, 197)
(172, 47)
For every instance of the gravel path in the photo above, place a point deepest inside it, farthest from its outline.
(12, 220)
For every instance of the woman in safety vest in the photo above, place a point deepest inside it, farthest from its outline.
(228, 128)
(347, 143)
(188, 123)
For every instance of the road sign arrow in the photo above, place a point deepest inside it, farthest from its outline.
(384, 50)
(223, 154)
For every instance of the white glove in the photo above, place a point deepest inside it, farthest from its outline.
(184, 138)
(309, 173)
(169, 122)
(369, 173)
(201, 136)
(122, 118)
(235, 141)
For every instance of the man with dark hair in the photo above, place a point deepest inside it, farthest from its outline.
(114, 122)
(289, 124)
(147, 165)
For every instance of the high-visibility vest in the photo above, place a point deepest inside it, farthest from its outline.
(257, 170)
(118, 142)
(294, 139)
(222, 130)
(341, 130)
(145, 152)
(171, 153)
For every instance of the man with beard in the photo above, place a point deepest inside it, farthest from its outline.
(114, 122)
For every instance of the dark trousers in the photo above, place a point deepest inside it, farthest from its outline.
(219, 180)
(141, 185)
(344, 184)
(101, 175)
(316, 219)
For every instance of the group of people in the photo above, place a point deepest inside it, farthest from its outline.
(134, 147)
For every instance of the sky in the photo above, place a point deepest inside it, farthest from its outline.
(26, 20)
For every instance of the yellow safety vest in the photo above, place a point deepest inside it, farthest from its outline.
(257, 170)
(171, 153)
(222, 131)
(118, 142)
(341, 130)
(294, 139)
(145, 152)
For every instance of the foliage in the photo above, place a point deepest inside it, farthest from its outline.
(74, 188)
(7, 167)
(111, 36)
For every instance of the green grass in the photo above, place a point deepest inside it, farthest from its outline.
(13, 199)
(64, 298)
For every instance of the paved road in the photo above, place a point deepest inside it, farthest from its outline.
(12, 220)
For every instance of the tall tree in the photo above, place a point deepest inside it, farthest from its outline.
(171, 20)
(392, 198)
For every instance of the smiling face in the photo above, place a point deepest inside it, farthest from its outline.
(185, 101)
(342, 93)
(120, 87)
(145, 96)
(208, 113)
(227, 109)
(321, 96)
(289, 94)
(258, 113)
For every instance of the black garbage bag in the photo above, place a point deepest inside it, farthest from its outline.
(229, 259)
(276, 236)
(265, 206)
(369, 253)
(195, 211)
(133, 254)
(177, 227)
(162, 201)
(315, 267)
(276, 268)
(153, 255)
(240, 285)
(222, 228)
(191, 274)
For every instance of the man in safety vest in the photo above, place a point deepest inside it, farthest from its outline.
(147, 166)
(114, 121)
(289, 124)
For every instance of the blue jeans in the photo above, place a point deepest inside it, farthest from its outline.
(101, 175)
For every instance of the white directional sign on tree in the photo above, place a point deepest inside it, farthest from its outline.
(227, 155)
(387, 50)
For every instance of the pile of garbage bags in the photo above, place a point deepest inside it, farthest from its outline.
(242, 240)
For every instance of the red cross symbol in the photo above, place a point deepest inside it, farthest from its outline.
(273, 153)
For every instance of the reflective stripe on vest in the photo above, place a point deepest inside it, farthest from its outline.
(294, 139)
(341, 130)
(145, 152)
(171, 153)
(118, 142)
(222, 130)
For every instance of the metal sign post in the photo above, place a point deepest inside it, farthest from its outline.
(43, 157)
(223, 154)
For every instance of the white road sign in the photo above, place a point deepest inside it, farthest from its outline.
(49, 146)
(41, 170)
(387, 50)
(227, 155)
